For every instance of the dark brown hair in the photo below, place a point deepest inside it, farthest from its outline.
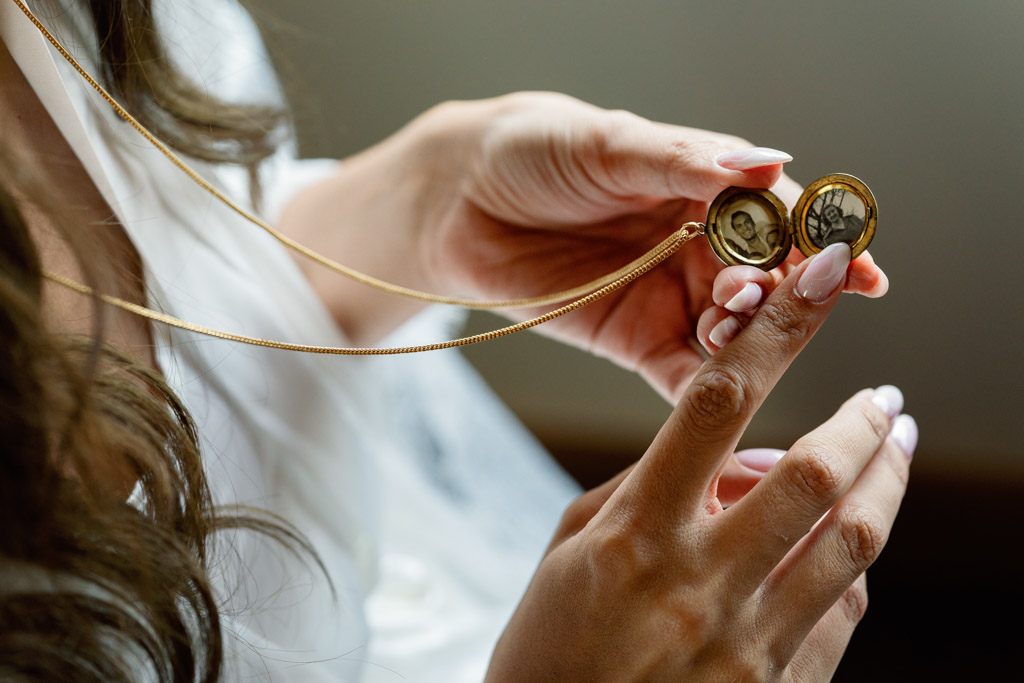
(93, 587)
(136, 66)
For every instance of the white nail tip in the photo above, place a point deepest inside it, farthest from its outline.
(753, 157)
(889, 399)
(745, 299)
(724, 331)
(904, 433)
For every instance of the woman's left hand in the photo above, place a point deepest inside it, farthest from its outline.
(534, 193)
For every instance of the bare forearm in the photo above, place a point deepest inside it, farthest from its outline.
(373, 215)
(345, 217)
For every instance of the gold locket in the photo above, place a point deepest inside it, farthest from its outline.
(752, 227)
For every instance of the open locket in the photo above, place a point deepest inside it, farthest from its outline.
(751, 227)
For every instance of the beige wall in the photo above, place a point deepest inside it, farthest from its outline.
(922, 100)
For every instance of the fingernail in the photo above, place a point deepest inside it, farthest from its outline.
(752, 157)
(825, 272)
(904, 433)
(746, 298)
(724, 331)
(888, 398)
(759, 459)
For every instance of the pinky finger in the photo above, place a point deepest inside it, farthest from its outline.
(818, 656)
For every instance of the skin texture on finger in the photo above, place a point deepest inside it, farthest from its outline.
(819, 654)
(667, 162)
(839, 549)
(735, 482)
(599, 163)
(676, 473)
(816, 472)
(584, 507)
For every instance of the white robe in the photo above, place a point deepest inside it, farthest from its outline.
(427, 502)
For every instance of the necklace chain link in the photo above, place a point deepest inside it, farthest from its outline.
(580, 296)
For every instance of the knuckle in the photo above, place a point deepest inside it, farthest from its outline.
(814, 473)
(685, 154)
(684, 622)
(863, 536)
(603, 134)
(576, 516)
(716, 397)
(854, 603)
(619, 119)
(618, 559)
(744, 667)
(785, 320)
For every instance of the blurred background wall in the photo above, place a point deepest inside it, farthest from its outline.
(922, 100)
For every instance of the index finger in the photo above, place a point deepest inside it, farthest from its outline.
(863, 277)
(675, 474)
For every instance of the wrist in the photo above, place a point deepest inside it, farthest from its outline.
(373, 214)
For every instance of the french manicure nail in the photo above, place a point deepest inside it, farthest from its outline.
(746, 298)
(752, 157)
(759, 459)
(888, 398)
(904, 433)
(824, 273)
(724, 331)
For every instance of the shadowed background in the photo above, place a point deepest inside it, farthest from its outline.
(921, 100)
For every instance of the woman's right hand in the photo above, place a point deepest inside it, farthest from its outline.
(650, 578)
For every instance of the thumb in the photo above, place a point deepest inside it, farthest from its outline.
(673, 162)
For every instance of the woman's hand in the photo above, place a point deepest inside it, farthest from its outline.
(533, 193)
(649, 578)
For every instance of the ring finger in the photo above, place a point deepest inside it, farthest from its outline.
(847, 541)
(816, 472)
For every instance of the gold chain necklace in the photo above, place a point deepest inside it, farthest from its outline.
(580, 296)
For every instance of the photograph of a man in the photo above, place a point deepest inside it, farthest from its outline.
(754, 242)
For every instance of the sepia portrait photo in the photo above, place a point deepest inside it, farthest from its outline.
(836, 215)
(749, 230)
